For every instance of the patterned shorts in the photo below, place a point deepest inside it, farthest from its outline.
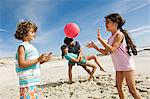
(28, 92)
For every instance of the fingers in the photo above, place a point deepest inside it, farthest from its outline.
(98, 31)
(44, 57)
(41, 58)
(90, 44)
(48, 57)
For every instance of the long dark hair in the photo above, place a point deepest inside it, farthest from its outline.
(62, 49)
(115, 17)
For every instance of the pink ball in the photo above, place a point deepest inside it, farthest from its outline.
(71, 30)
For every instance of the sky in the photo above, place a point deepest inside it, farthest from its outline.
(52, 15)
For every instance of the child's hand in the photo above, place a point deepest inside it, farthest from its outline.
(98, 34)
(80, 59)
(48, 57)
(80, 50)
(90, 45)
(80, 55)
(42, 57)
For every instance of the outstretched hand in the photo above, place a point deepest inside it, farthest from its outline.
(44, 58)
(90, 44)
(41, 57)
(48, 57)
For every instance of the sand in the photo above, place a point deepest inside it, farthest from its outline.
(54, 84)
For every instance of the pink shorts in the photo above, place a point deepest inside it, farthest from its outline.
(124, 68)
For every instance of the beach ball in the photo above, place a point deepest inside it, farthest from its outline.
(71, 30)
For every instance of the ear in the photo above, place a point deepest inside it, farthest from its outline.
(27, 34)
(116, 24)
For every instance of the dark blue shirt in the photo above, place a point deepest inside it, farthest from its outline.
(74, 48)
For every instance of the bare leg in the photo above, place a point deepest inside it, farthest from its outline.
(96, 61)
(119, 81)
(93, 70)
(85, 67)
(130, 79)
(70, 72)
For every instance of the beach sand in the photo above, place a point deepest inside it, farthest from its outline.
(54, 84)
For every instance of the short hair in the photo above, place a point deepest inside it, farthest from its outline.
(23, 28)
(68, 40)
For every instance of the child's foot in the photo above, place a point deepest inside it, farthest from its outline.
(71, 82)
(90, 78)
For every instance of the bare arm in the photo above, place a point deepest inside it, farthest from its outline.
(112, 48)
(80, 56)
(93, 45)
(78, 59)
(26, 63)
(103, 51)
(80, 50)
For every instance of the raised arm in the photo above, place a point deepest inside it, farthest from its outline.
(110, 48)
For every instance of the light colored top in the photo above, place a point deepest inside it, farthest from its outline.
(121, 59)
(30, 75)
(68, 56)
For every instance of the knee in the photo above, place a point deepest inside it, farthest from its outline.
(70, 69)
(95, 57)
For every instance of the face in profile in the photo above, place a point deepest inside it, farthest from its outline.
(109, 25)
(31, 34)
(65, 50)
